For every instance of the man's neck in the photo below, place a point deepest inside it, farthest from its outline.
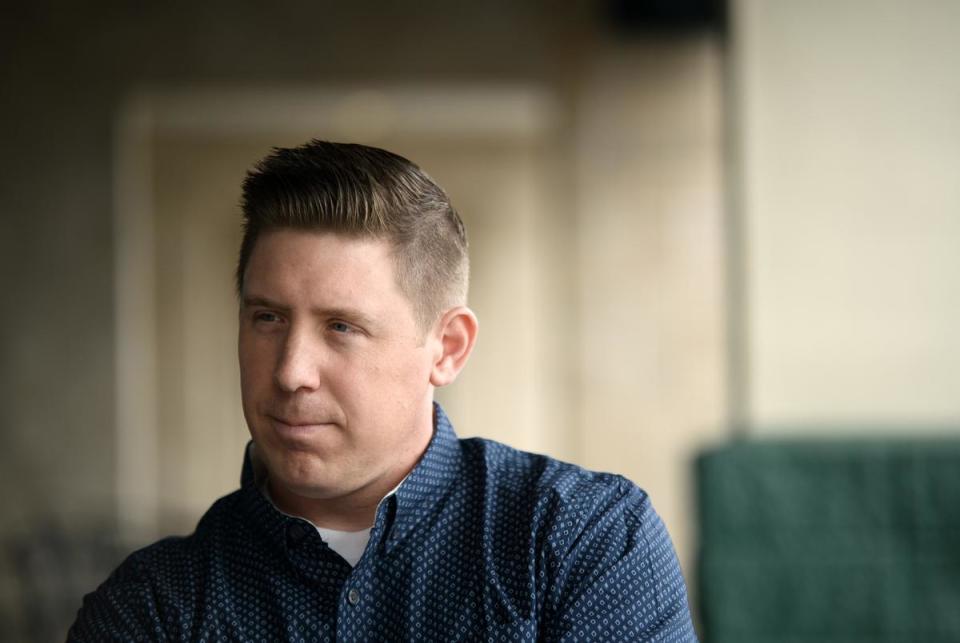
(355, 510)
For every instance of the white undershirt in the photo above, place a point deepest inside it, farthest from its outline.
(349, 544)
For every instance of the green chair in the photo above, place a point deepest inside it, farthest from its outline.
(830, 541)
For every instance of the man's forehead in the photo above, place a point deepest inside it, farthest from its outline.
(288, 254)
(320, 271)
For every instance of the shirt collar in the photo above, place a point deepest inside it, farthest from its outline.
(428, 483)
(418, 496)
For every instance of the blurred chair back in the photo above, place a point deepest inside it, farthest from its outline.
(830, 541)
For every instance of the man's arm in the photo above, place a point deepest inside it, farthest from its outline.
(618, 578)
(123, 608)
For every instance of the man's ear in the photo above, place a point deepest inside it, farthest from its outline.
(456, 331)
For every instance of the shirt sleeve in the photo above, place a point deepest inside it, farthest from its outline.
(123, 608)
(617, 577)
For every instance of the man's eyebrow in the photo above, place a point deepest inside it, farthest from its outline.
(255, 300)
(342, 312)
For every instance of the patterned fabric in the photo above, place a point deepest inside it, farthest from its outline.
(481, 542)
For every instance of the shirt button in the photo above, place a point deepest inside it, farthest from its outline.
(296, 533)
(353, 596)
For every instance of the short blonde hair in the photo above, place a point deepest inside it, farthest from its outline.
(363, 191)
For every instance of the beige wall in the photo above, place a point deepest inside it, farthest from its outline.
(649, 238)
(847, 116)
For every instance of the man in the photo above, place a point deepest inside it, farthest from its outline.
(361, 516)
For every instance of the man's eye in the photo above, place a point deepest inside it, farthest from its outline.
(340, 327)
(265, 317)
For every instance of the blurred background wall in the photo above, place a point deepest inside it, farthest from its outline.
(847, 121)
(686, 224)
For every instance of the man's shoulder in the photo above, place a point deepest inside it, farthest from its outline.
(597, 544)
(512, 466)
(158, 576)
(552, 490)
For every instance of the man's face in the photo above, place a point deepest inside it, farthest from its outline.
(335, 374)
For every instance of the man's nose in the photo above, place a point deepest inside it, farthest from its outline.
(299, 364)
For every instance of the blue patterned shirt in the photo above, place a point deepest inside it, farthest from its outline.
(480, 542)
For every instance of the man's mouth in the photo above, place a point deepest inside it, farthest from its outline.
(296, 421)
(294, 427)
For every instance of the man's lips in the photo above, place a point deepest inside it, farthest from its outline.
(297, 427)
(296, 422)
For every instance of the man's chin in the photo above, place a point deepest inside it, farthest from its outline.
(297, 472)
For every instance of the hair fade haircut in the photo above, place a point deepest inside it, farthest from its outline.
(363, 192)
